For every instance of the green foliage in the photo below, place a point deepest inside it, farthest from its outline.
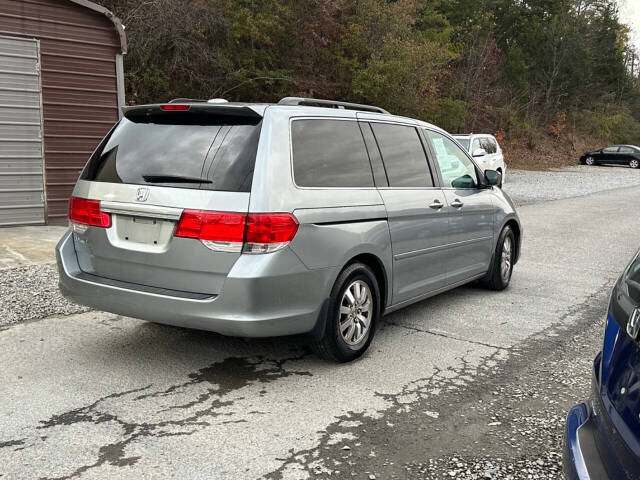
(609, 122)
(465, 65)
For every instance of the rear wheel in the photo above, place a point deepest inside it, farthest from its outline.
(590, 161)
(499, 275)
(354, 309)
(634, 163)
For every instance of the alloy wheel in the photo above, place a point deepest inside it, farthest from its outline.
(634, 163)
(589, 161)
(506, 259)
(356, 309)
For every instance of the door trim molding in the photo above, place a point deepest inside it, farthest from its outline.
(424, 251)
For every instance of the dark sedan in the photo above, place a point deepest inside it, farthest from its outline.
(615, 154)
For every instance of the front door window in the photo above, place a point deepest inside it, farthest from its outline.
(457, 170)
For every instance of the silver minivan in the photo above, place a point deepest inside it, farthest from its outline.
(303, 217)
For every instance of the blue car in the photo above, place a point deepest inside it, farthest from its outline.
(602, 436)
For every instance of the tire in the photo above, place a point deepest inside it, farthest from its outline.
(590, 161)
(634, 163)
(499, 274)
(346, 344)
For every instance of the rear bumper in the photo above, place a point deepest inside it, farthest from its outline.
(580, 456)
(592, 448)
(263, 296)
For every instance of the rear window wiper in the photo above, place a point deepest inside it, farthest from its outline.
(173, 179)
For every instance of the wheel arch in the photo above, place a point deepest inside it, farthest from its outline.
(377, 266)
(517, 232)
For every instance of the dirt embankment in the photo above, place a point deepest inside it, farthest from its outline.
(544, 152)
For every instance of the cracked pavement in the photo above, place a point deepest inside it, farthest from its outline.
(96, 395)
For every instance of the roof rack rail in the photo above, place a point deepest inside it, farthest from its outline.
(318, 102)
(187, 100)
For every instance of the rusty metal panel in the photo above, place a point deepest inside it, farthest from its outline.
(78, 48)
(21, 182)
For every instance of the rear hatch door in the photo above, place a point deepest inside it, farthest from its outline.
(152, 166)
(621, 361)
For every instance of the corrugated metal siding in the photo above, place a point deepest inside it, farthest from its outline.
(79, 85)
(21, 183)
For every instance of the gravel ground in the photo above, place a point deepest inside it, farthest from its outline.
(526, 187)
(32, 292)
(525, 416)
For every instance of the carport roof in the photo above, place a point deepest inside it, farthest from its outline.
(116, 21)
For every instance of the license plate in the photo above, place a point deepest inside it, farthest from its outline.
(143, 230)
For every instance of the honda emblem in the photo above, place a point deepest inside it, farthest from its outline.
(142, 194)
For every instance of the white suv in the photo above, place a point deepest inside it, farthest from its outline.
(486, 151)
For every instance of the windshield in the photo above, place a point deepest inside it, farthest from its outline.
(463, 141)
(212, 157)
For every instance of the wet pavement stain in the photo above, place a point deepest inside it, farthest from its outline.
(12, 443)
(235, 372)
(221, 379)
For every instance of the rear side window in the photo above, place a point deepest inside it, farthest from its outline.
(329, 153)
(211, 157)
(488, 144)
(403, 156)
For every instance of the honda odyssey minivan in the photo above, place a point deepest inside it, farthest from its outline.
(303, 217)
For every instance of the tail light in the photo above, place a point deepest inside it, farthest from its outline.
(217, 230)
(238, 232)
(83, 211)
(268, 232)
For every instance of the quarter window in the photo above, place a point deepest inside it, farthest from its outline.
(329, 153)
(456, 168)
(403, 155)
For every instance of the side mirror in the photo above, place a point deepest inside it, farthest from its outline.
(492, 178)
(465, 181)
(479, 152)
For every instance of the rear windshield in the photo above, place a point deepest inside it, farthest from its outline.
(632, 277)
(211, 157)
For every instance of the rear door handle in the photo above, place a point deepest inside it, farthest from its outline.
(457, 203)
(437, 204)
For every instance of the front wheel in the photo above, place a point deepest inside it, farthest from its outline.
(634, 163)
(590, 161)
(354, 310)
(499, 275)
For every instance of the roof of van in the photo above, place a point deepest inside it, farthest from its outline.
(467, 135)
(260, 108)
